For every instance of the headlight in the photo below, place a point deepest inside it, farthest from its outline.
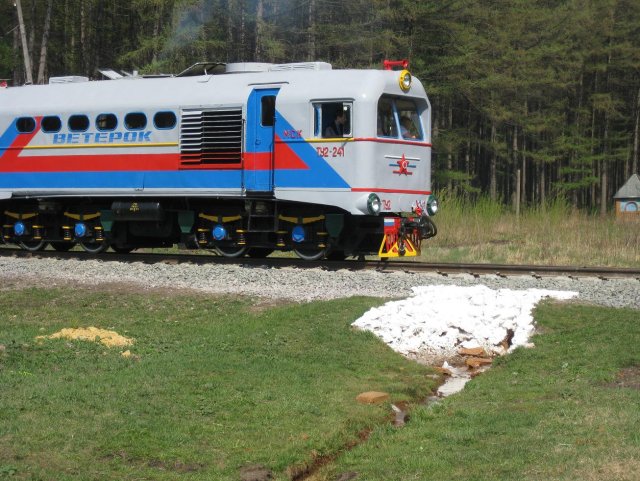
(405, 80)
(432, 205)
(373, 204)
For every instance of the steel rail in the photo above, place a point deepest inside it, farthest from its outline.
(444, 269)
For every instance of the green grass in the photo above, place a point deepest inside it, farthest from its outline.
(549, 413)
(215, 384)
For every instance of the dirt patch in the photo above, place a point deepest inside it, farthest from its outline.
(91, 334)
(256, 472)
(26, 282)
(629, 378)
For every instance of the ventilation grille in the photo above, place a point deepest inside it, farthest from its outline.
(211, 137)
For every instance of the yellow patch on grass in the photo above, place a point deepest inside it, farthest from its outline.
(92, 334)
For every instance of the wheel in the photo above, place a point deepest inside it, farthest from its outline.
(231, 251)
(310, 253)
(62, 246)
(33, 245)
(259, 252)
(93, 247)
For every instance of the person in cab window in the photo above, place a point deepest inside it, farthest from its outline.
(336, 128)
(406, 127)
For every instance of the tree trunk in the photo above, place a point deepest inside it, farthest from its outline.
(157, 26)
(25, 47)
(84, 48)
(517, 196)
(467, 154)
(604, 198)
(605, 167)
(493, 165)
(449, 149)
(543, 186)
(45, 43)
(230, 43)
(97, 41)
(636, 134)
(32, 33)
(243, 33)
(311, 31)
(520, 172)
(259, 50)
(594, 164)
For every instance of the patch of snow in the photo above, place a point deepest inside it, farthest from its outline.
(437, 320)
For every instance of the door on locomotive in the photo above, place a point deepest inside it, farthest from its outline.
(259, 145)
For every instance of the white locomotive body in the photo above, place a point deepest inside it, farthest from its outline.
(252, 159)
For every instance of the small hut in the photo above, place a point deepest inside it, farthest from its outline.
(628, 199)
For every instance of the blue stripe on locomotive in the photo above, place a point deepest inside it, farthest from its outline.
(319, 174)
(8, 137)
(183, 179)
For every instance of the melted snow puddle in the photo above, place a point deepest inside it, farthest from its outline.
(455, 382)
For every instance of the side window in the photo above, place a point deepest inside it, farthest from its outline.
(332, 119)
(51, 124)
(164, 120)
(26, 125)
(409, 120)
(106, 122)
(387, 126)
(268, 110)
(135, 121)
(78, 123)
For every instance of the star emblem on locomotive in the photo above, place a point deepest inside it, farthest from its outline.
(403, 167)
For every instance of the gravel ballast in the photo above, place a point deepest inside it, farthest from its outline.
(293, 284)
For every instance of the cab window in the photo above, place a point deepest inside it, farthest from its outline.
(387, 125)
(409, 119)
(332, 119)
(398, 118)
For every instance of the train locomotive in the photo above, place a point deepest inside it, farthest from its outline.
(240, 158)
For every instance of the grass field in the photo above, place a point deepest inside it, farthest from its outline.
(566, 410)
(216, 385)
(212, 386)
(488, 232)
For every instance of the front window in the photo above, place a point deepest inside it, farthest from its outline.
(387, 125)
(398, 118)
(332, 119)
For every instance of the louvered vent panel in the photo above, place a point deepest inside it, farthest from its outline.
(211, 137)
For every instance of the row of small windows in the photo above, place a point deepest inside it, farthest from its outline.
(104, 122)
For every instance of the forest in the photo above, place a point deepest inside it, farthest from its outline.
(532, 100)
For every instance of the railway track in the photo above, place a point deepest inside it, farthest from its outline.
(444, 269)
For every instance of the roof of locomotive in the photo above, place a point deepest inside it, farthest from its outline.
(142, 93)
